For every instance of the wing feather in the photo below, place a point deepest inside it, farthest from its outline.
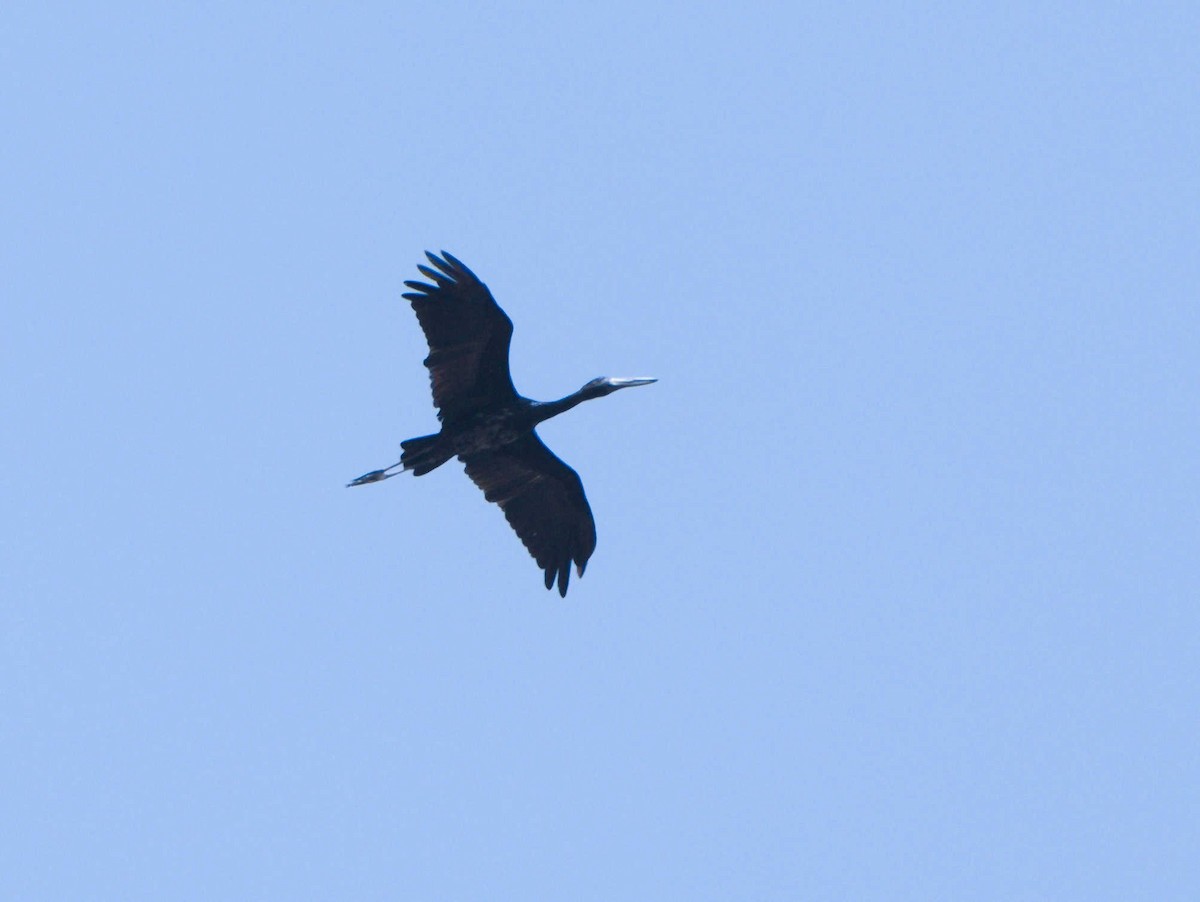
(468, 336)
(543, 500)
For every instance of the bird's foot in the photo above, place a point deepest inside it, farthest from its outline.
(373, 476)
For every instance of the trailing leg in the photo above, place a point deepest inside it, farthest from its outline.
(419, 455)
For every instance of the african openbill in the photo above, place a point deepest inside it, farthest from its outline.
(490, 427)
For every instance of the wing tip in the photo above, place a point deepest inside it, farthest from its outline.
(460, 269)
(441, 279)
(561, 574)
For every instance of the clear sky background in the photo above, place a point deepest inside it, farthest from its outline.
(896, 592)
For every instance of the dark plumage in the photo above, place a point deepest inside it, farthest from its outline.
(490, 427)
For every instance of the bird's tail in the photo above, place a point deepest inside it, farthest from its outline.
(423, 454)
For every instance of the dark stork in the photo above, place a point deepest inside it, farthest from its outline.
(490, 428)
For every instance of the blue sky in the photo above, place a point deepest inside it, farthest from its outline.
(895, 595)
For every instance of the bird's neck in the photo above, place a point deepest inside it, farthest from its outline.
(544, 410)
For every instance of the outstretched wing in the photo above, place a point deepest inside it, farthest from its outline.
(543, 500)
(468, 336)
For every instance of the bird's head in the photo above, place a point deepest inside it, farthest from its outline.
(606, 385)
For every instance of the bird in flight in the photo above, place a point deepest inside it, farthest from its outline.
(490, 428)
